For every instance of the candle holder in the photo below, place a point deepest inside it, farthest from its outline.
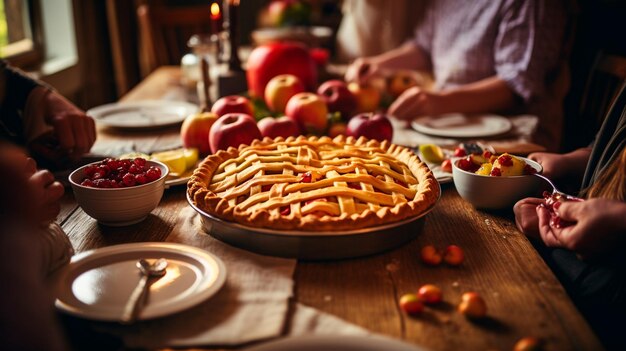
(233, 80)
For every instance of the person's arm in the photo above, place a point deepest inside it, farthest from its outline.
(407, 57)
(15, 88)
(490, 94)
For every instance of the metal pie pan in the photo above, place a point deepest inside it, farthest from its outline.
(314, 245)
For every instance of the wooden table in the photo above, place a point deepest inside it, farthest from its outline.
(523, 296)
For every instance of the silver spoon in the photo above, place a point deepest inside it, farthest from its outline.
(556, 193)
(137, 298)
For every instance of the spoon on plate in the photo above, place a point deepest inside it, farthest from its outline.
(138, 297)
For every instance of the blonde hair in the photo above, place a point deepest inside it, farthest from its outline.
(611, 184)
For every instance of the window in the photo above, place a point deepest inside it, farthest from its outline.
(20, 28)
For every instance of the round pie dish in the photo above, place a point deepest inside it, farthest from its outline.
(314, 198)
(313, 184)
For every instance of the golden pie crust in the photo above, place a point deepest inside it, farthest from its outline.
(311, 183)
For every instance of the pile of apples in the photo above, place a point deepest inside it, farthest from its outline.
(282, 80)
(336, 108)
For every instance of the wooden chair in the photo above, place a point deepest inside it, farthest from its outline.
(165, 30)
(605, 79)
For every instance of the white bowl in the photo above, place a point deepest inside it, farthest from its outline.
(119, 206)
(492, 193)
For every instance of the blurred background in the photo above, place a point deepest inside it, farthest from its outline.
(95, 51)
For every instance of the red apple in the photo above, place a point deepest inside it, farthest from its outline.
(399, 82)
(281, 126)
(430, 294)
(194, 132)
(337, 128)
(370, 125)
(430, 255)
(411, 304)
(338, 98)
(280, 89)
(472, 305)
(267, 61)
(367, 97)
(309, 111)
(453, 255)
(233, 129)
(232, 104)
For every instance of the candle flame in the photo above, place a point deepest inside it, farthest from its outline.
(215, 10)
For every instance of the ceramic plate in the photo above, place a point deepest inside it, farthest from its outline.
(142, 114)
(462, 126)
(336, 343)
(97, 284)
(171, 181)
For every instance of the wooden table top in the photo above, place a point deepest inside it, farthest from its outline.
(523, 296)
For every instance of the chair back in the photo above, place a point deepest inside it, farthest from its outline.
(165, 30)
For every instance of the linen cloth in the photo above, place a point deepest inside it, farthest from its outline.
(253, 305)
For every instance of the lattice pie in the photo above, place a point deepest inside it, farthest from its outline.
(314, 184)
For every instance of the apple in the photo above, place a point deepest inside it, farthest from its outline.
(430, 294)
(282, 126)
(338, 97)
(411, 304)
(399, 82)
(472, 305)
(232, 104)
(337, 128)
(233, 129)
(453, 255)
(367, 97)
(194, 131)
(528, 343)
(309, 111)
(280, 89)
(430, 255)
(267, 61)
(370, 125)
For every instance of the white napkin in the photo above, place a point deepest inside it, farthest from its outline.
(251, 306)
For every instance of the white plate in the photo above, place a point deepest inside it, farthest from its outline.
(97, 284)
(336, 343)
(142, 114)
(456, 125)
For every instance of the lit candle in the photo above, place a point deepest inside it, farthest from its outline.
(216, 18)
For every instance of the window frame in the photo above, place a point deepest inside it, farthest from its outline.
(32, 56)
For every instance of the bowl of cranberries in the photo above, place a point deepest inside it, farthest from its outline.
(119, 192)
(490, 181)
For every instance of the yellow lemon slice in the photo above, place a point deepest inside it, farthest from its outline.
(135, 155)
(191, 157)
(174, 159)
(432, 153)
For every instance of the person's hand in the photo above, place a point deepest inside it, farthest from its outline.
(526, 217)
(361, 70)
(42, 194)
(598, 225)
(74, 133)
(415, 102)
(554, 165)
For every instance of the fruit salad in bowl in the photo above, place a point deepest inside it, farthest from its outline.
(491, 181)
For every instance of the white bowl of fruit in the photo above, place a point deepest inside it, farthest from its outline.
(491, 181)
(119, 192)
